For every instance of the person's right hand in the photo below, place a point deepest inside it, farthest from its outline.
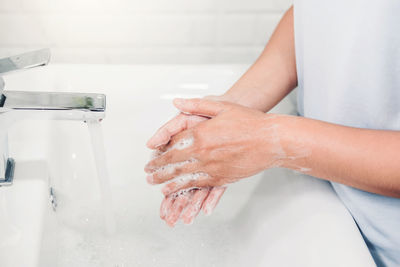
(188, 202)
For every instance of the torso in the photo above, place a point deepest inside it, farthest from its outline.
(348, 65)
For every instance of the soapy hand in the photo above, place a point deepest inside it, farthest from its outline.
(176, 125)
(191, 202)
(237, 142)
(186, 205)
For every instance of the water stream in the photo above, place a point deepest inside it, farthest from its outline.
(96, 135)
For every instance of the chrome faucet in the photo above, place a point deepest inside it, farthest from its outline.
(20, 105)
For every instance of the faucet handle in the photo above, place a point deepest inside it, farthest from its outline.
(25, 61)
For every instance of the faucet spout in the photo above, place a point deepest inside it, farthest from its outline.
(20, 105)
(20, 100)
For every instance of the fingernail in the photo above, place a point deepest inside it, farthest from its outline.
(207, 211)
(149, 143)
(157, 142)
(150, 179)
(160, 144)
(179, 101)
(166, 191)
(171, 220)
(148, 168)
(171, 224)
(188, 221)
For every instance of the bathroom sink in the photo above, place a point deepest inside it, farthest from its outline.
(22, 210)
(277, 218)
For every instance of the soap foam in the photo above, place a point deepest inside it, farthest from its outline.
(155, 154)
(182, 144)
(170, 168)
(186, 178)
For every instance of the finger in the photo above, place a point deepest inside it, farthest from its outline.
(194, 207)
(197, 106)
(185, 181)
(180, 202)
(166, 205)
(163, 134)
(170, 171)
(155, 154)
(212, 200)
(179, 141)
(170, 157)
(212, 97)
(178, 124)
(176, 154)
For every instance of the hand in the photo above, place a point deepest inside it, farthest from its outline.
(191, 202)
(187, 204)
(235, 143)
(176, 125)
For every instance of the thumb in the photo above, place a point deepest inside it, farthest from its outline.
(198, 106)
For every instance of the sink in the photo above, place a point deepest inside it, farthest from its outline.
(22, 212)
(277, 218)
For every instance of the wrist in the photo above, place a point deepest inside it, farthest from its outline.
(294, 146)
(250, 98)
(224, 97)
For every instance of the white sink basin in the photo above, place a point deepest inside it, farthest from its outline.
(22, 207)
(278, 218)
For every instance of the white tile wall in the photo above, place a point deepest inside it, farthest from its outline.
(140, 31)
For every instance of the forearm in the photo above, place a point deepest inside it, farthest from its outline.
(273, 75)
(361, 158)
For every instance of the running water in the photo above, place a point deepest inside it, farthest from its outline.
(99, 154)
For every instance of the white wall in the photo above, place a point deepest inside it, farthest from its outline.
(140, 31)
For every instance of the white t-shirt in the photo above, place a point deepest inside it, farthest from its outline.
(348, 65)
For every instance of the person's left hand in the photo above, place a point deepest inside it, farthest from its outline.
(235, 143)
(188, 205)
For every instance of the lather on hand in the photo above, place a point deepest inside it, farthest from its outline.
(237, 142)
(193, 201)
